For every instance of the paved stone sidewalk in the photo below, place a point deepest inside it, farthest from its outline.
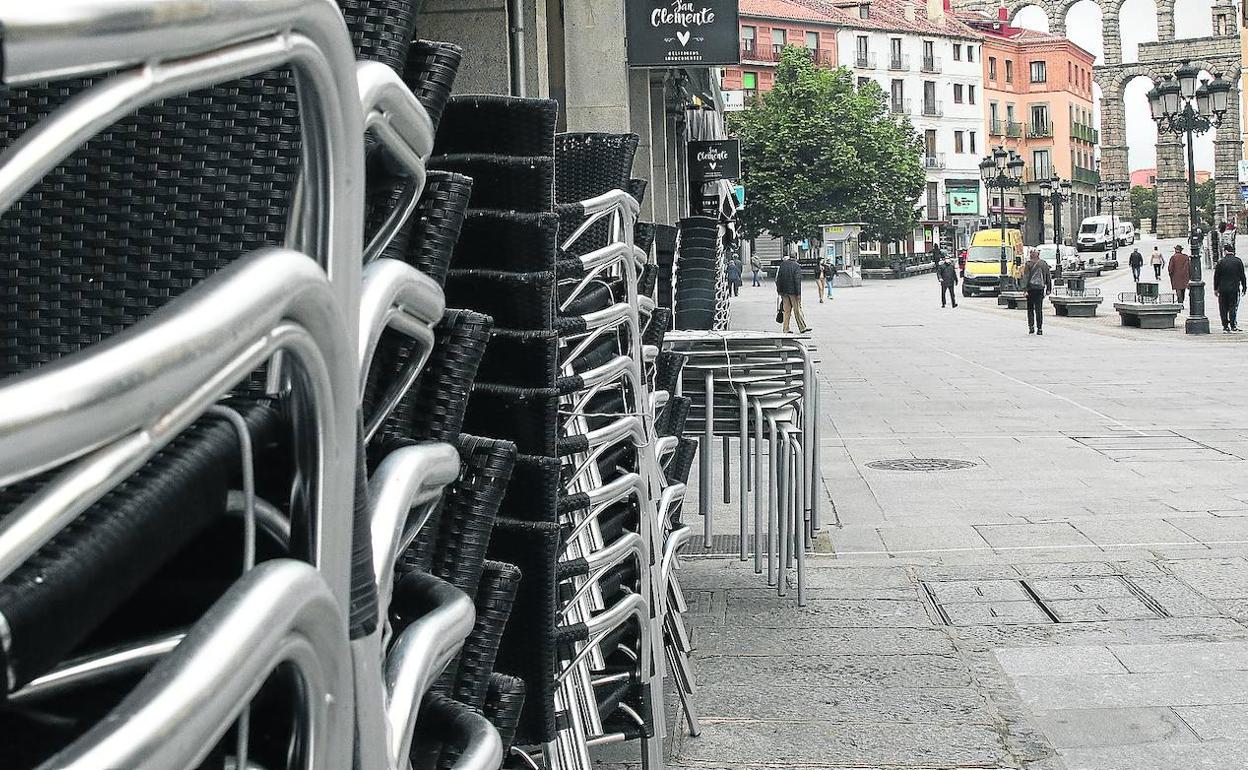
(1078, 598)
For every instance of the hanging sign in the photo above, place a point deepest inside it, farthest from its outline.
(715, 159)
(674, 33)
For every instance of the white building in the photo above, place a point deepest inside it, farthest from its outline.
(929, 64)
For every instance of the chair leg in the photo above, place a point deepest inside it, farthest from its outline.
(758, 487)
(743, 441)
(707, 465)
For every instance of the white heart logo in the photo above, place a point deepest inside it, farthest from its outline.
(713, 166)
(683, 37)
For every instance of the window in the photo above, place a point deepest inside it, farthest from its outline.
(864, 11)
(957, 95)
(862, 51)
(994, 113)
(748, 36)
(971, 137)
(933, 200)
(970, 53)
(929, 142)
(1041, 165)
(894, 48)
(1038, 73)
(970, 94)
(749, 83)
(1070, 72)
(863, 81)
(957, 52)
(898, 91)
(778, 37)
(992, 68)
(1009, 71)
(1040, 119)
(958, 146)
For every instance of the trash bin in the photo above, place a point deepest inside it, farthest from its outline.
(1146, 290)
(1075, 283)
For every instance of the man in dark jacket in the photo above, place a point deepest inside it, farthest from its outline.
(789, 287)
(948, 276)
(1137, 263)
(1037, 282)
(1229, 281)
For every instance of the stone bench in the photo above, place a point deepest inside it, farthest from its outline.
(1013, 299)
(1075, 306)
(1148, 315)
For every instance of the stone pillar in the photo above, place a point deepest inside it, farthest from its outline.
(639, 124)
(1228, 148)
(595, 70)
(1165, 21)
(1172, 219)
(1111, 33)
(1056, 11)
(1113, 136)
(481, 29)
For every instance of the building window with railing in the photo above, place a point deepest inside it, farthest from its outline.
(749, 36)
(1039, 72)
(861, 51)
(1041, 164)
(895, 59)
(1041, 126)
(779, 37)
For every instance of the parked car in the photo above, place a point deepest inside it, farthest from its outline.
(1095, 233)
(1049, 253)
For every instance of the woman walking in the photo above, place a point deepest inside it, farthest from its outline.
(821, 280)
(733, 274)
(1158, 262)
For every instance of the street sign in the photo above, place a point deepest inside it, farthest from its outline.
(734, 101)
(715, 159)
(676, 33)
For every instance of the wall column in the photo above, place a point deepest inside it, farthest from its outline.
(1171, 187)
(1228, 149)
(1114, 166)
(595, 68)
(1165, 21)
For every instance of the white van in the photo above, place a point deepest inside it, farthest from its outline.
(1094, 233)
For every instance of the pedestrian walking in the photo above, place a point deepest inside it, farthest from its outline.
(1180, 270)
(947, 274)
(1229, 282)
(1158, 262)
(757, 267)
(829, 276)
(733, 273)
(1137, 263)
(820, 279)
(789, 288)
(937, 255)
(1038, 283)
(962, 263)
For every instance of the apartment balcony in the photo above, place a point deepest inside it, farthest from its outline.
(934, 162)
(900, 106)
(931, 64)
(1084, 133)
(899, 63)
(1087, 176)
(1039, 130)
(765, 53)
(1036, 175)
(1014, 130)
(996, 128)
(933, 108)
(864, 61)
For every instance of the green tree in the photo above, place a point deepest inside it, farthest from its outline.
(1205, 201)
(816, 149)
(1143, 204)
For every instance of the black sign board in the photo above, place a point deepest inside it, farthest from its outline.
(676, 33)
(715, 159)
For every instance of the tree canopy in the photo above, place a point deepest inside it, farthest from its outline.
(1143, 205)
(817, 149)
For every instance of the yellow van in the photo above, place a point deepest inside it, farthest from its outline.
(983, 261)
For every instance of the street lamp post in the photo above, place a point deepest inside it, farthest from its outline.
(1183, 104)
(1058, 192)
(1114, 192)
(1002, 170)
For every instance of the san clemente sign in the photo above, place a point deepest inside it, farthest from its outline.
(673, 33)
(715, 159)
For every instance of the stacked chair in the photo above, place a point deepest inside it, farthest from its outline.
(698, 273)
(759, 388)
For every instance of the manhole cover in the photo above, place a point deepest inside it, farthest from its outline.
(921, 464)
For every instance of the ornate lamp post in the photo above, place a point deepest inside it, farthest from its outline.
(1115, 193)
(1183, 104)
(1058, 192)
(1002, 170)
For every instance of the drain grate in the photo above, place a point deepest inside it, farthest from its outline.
(721, 545)
(1033, 601)
(921, 464)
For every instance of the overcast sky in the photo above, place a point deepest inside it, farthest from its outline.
(1139, 24)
